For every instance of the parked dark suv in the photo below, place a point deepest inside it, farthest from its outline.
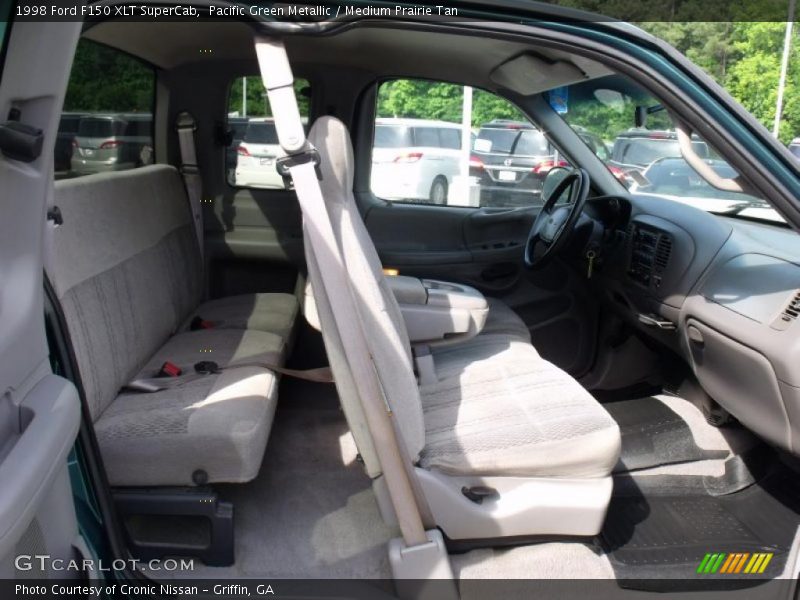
(510, 160)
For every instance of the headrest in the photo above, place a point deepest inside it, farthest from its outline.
(332, 140)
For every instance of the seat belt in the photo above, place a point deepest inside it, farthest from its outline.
(186, 126)
(301, 163)
(150, 385)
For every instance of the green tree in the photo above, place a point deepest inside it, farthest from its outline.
(257, 101)
(107, 80)
(418, 99)
(753, 77)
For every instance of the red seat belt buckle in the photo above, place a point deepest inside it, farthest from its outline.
(169, 369)
(200, 323)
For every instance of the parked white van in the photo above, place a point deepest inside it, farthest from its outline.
(256, 156)
(415, 159)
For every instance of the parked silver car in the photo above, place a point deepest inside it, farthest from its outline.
(112, 142)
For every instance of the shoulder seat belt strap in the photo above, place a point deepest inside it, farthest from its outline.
(186, 126)
(392, 453)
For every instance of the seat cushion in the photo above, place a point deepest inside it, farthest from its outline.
(502, 320)
(223, 346)
(275, 313)
(218, 424)
(500, 409)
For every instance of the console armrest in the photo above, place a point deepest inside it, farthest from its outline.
(437, 312)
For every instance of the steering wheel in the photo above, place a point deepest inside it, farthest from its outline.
(553, 225)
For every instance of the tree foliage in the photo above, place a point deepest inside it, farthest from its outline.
(442, 101)
(744, 56)
(106, 80)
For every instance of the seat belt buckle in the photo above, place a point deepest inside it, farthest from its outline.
(200, 323)
(169, 369)
(206, 367)
(285, 163)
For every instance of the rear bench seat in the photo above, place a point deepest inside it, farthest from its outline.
(128, 272)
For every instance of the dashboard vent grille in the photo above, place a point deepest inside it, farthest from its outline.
(663, 250)
(792, 311)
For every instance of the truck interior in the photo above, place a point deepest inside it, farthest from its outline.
(602, 385)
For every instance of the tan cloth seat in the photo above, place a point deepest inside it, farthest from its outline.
(502, 320)
(498, 407)
(128, 273)
(275, 313)
(216, 425)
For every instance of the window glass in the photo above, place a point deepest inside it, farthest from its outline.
(392, 136)
(634, 136)
(425, 152)
(450, 138)
(107, 123)
(426, 136)
(250, 157)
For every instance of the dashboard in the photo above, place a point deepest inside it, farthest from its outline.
(724, 293)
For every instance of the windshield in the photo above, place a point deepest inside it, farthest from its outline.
(645, 155)
(520, 142)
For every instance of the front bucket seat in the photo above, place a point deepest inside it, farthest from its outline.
(504, 443)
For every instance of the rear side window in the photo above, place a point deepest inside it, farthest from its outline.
(250, 157)
(107, 123)
(389, 136)
(426, 136)
(450, 138)
(261, 133)
(513, 141)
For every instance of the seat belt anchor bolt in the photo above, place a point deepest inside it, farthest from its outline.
(285, 163)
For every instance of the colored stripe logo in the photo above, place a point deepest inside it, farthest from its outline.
(735, 563)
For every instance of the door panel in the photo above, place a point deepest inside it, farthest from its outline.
(253, 232)
(254, 242)
(39, 412)
(483, 248)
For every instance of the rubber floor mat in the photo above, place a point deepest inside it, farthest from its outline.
(653, 435)
(650, 538)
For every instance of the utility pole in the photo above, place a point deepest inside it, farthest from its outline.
(787, 49)
(244, 95)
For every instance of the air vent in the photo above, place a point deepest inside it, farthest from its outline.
(789, 314)
(663, 250)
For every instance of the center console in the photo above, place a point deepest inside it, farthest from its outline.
(439, 311)
(435, 312)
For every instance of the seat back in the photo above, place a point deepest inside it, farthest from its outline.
(376, 305)
(127, 271)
